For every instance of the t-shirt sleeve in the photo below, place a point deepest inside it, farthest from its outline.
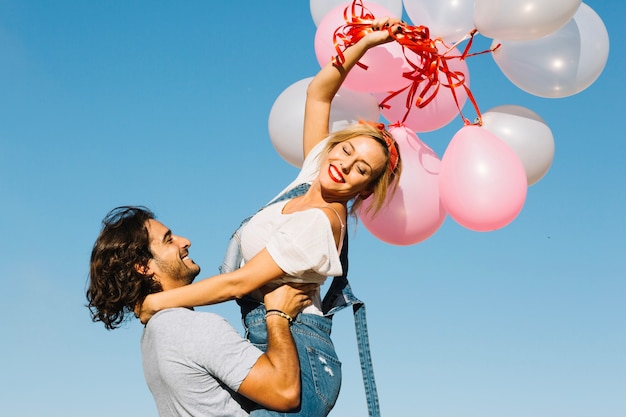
(221, 350)
(305, 242)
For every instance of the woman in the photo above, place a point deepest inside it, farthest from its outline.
(299, 239)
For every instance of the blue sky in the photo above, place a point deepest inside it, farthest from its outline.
(165, 104)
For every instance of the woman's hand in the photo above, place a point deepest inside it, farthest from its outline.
(381, 31)
(290, 298)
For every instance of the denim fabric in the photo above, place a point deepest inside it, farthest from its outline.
(338, 297)
(320, 369)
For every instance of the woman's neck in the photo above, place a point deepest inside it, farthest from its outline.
(313, 198)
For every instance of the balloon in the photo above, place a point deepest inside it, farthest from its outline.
(527, 134)
(320, 8)
(286, 119)
(482, 182)
(449, 20)
(561, 64)
(384, 64)
(440, 111)
(522, 19)
(414, 212)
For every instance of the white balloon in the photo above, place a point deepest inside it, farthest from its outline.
(348, 107)
(450, 20)
(527, 133)
(522, 19)
(286, 119)
(561, 64)
(319, 8)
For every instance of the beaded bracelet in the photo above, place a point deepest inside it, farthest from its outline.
(279, 313)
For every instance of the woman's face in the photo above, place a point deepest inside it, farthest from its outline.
(351, 166)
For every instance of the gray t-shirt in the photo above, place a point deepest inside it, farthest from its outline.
(194, 362)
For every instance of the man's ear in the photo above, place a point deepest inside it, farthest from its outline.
(142, 269)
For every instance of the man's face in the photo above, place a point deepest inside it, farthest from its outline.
(170, 263)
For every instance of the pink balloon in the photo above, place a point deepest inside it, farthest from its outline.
(385, 63)
(482, 180)
(414, 213)
(440, 111)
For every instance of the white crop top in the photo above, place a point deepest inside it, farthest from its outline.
(301, 243)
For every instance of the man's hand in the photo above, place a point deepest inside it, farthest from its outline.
(290, 298)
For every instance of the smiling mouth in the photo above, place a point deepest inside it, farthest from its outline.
(335, 175)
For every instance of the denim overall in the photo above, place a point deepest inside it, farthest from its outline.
(320, 367)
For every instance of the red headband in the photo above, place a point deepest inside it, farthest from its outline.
(391, 146)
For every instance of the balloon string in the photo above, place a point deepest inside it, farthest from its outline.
(424, 76)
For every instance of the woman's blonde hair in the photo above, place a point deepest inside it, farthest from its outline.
(387, 180)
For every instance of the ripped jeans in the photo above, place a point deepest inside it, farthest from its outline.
(320, 368)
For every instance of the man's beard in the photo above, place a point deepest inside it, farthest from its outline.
(179, 272)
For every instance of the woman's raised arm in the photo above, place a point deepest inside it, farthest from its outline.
(328, 80)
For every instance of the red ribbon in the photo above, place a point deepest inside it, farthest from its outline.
(424, 72)
(358, 24)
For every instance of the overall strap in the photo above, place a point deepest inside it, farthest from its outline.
(296, 191)
(338, 297)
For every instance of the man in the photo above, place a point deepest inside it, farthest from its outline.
(195, 363)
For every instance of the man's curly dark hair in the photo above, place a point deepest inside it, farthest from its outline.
(120, 252)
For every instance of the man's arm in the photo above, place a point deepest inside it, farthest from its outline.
(274, 380)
